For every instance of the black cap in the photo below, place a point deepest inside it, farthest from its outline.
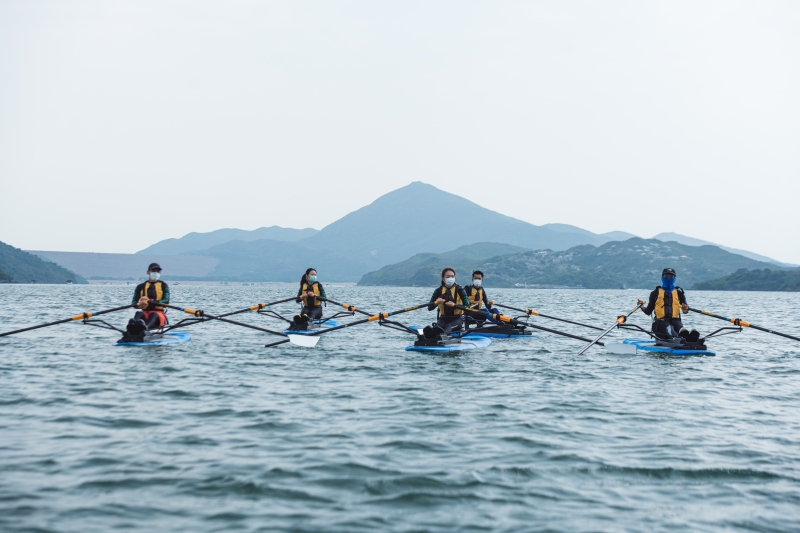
(154, 266)
(668, 271)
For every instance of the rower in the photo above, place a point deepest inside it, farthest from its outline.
(668, 301)
(147, 297)
(477, 299)
(446, 297)
(309, 293)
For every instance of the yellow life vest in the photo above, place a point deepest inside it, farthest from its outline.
(676, 304)
(475, 296)
(158, 289)
(315, 288)
(451, 295)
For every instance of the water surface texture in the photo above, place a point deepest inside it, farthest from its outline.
(222, 434)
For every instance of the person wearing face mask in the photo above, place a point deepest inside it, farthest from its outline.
(309, 293)
(668, 301)
(446, 297)
(147, 297)
(478, 298)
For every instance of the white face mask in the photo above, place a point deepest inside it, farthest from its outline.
(154, 276)
(449, 282)
(477, 282)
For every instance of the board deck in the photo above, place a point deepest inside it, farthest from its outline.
(171, 337)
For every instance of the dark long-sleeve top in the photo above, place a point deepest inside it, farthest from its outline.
(151, 293)
(438, 294)
(485, 299)
(651, 303)
(321, 291)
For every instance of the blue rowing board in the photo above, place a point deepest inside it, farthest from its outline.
(647, 345)
(467, 343)
(324, 324)
(172, 337)
(484, 334)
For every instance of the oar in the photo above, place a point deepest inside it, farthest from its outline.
(257, 307)
(350, 308)
(509, 320)
(82, 316)
(740, 322)
(299, 340)
(536, 313)
(373, 318)
(620, 320)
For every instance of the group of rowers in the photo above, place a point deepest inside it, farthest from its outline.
(457, 307)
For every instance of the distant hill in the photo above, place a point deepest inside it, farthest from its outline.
(424, 270)
(269, 260)
(194, 242)
(634, 263)
(130, 266)
(691, 241)
(421, 218)
(754, 280)
(5, 278)
(22, 267)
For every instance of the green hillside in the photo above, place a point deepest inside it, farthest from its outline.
(754, 280)
(423, 270)
(22, 267)
(634, 263)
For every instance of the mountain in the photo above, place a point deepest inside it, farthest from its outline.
(5, 278)
(130, 266)
(604, 237)
(421, 218)
(270, 260)
(193, 242)
(23, 267)
(634, 263)
(754, 280)
(423, 270)
(691, 241)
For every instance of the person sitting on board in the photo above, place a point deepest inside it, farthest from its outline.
(446, 297)
(478, 298)
(668, 301)
(309, 292)
(147, 297)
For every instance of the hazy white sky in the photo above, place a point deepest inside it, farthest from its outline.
(123, 123)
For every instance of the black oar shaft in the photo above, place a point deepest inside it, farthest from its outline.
(82, 316)
(536, 313)
(373, 318)
(200, 313)
(256, 307)
(740, 322)
(349, 307)
(620, 320)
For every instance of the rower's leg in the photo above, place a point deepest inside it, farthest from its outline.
(136, 325)
(315, 313)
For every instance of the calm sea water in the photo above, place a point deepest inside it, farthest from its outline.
(222, 434)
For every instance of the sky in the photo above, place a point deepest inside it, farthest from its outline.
(124, 123)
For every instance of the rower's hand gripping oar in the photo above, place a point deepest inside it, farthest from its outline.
(82, 316)
(514, 321)
(742, 323)
(372, 318)
(299, 340)
(620, 320)
(536, 313)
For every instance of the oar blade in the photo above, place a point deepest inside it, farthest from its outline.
(304, 341)
(618, 348)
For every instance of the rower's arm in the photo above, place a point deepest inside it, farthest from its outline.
(485, 299)
(299, 292)
(431, 305)
(135, 299)
(322, 291)
(651, 304)
(164, 294)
